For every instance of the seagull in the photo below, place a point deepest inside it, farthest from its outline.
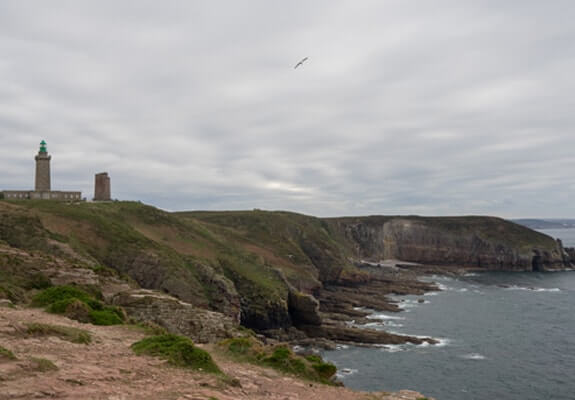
(300, 63)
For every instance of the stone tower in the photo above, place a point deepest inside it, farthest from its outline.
(42, 169)
(102, 187)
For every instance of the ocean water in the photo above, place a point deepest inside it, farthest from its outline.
(567, 236)
(502, 336)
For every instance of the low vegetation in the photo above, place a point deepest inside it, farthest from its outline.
(6, 354)
(70, 334)
(179, 351)
(19, 276)
(41, 365)
(77, 304)
(281, 358)
(148, 328)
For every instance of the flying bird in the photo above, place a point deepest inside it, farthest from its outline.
(300, 63)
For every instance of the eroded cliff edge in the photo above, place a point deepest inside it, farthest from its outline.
(269, 271)
(488, 243)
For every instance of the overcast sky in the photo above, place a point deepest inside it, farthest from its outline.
(443, 107)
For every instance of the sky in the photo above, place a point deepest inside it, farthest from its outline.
(445, 107)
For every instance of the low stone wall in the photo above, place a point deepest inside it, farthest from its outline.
(41, 195)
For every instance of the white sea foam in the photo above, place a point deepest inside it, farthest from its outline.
(431, 294)
(440, 278)
(533, 289)
(473, 356)
(409, 303)
(381, 324)
(297, 348)
(341, 347)
(394, 348)
(383, 317)
(442, 342)
(346, 372)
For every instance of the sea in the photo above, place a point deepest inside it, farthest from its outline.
(500, 336)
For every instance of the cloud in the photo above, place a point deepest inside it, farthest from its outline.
(455, 107)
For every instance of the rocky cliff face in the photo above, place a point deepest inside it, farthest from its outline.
(176, 316)
(478, 242)
(264, 269)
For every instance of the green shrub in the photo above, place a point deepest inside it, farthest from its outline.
(284, 360)
(70, 334)
(325, 370)
(313, 358)
(239, 345)
(280, 358)
(6, 354)
(105, 317)
(58, 294)
(79, 305)
(280, 354)
(296, 366)
(60, 306)
(188, 355)
(179, 351)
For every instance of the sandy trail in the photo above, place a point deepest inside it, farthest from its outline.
(107, 369)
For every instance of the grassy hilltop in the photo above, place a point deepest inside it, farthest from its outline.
(236, 270)
(255, 264)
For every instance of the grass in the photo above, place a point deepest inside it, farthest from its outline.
(281, 358)
(108, 316)
(42, 365)
(179, 351)
(67, 333)
(6, 354)
(19, 275)
(79, 305)
(148, 328)
(60, 294)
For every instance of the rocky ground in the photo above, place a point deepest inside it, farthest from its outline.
(107, 369)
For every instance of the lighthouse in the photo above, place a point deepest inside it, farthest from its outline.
(42, 185)
(42, 169)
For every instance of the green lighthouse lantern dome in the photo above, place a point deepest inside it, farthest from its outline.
(43, 147)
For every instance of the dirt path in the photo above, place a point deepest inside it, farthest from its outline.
(107, 369)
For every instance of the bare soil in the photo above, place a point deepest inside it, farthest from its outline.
(108, 369)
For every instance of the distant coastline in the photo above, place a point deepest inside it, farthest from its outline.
(546, 223)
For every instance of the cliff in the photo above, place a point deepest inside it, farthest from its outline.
(487, 243)
(265, 270)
